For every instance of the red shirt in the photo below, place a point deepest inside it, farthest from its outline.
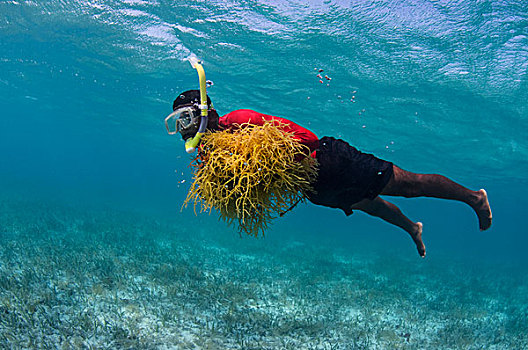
(304, 136)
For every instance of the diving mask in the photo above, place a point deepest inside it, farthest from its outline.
(182, 120)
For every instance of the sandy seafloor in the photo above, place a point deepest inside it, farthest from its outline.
(72, 278)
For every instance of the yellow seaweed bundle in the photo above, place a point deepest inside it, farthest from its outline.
(250, 175)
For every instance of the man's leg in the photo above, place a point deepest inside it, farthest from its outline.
(407, 184)
(392, 214)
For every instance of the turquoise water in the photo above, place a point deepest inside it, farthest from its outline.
(91, 185)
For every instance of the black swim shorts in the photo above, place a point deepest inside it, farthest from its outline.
(346, 175)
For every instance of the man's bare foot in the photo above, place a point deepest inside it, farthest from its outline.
(483, 210)
(417, 238)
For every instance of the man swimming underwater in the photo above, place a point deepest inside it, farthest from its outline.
(347, 178)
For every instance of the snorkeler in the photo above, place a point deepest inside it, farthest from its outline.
(347, 179)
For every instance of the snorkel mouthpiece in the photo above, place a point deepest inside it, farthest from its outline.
(192, 143)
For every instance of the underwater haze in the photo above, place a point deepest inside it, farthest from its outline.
(96, 250)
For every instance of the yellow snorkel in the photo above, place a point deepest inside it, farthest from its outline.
(192, 143)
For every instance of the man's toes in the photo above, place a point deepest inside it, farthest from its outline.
(421, 250)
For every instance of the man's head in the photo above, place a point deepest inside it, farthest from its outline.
(188, 103)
